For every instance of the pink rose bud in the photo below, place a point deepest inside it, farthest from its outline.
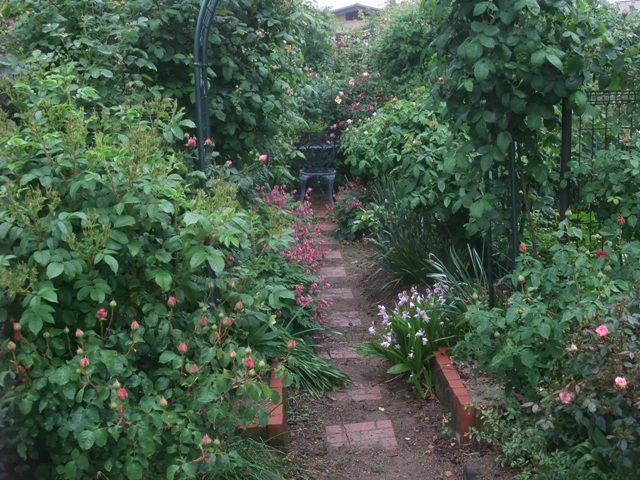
(620, 220)
(263, 158)
(16, 327)
(228, 164)
(163, 402)
(208, 142)
(84, 362)
(239, 305)
(101, 314)
(122, 393)
(135, 325)
(171, 301)
(352, 82)
(522, 248)
(227, 321)
(248, 362)
(206, 440)
(621, 382)
(79, 333)
(202, 321)
(192, 142)
(291, 344)
(182, 347)
(11, 346)
(602, 330)
(194, 369)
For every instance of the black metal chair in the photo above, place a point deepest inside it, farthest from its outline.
(319, 161)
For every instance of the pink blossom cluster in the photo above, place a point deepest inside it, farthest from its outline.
(277, 196)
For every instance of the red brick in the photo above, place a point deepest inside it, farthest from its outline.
(363, 435)
(344, 319)
(333, 272)
(338, 294)
(340, 353)
(333, 255)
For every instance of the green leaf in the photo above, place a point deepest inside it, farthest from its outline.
(504, 140)
(481, 70)
(124, 221)
(164, 280)
(198, 259)
(166, 357)
(538, 57)
(86, 439)
(533, 6)
(111, 262)
(399, 368)
(42, 257)
(190, 218)
(527, 358)
(25, 406)
(555, 61)
(215, 259)
(171, 471)
(54, 270)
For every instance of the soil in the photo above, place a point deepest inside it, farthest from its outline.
(426, 447)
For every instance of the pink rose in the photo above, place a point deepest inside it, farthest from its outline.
(522, 248)
(11, 346)
(208, 142)
(620, 220)
(101, 314)
(291, 344)
(621, 382)
(172, 301)
(182, 347)
(248, 362)
(206, 440)
(352, 82)
(163, 402)
(202, 321)
(84, 362)
(602, 330)
(566, 397)
(79, 333)
(194, 369)
(122, 393)
(263, 158)
(228, 164)
(192, 142)
(135, 325)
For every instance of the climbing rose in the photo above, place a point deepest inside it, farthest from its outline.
(79, 333)
(11, 346)
(206, 440)
(248, 362)
(522, 248)
(620, 220)
(135, 325)
(163, 402)
(101, 314)
(192, 142)
(208, 142)
(122, 393)
(84, 362)
(227, 321)
(228, 164)
(16, 327)
(621, 382)
(171, 301)
(239, 305)
(263, 158)
(194, 369)
(565, 397)
(291, 344)
(182, 347)
(602, 330)
(203, 321)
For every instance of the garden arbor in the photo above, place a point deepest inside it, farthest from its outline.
(206, 17)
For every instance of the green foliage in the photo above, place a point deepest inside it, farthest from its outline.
(138, 49)
(417, 326)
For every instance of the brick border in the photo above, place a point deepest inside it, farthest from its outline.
(453, 395)
(276, 432)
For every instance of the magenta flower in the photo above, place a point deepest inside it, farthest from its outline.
(263, 158)
(248, 362)
(122, 393)
(602, 330)
(192, 142)
(101, 314)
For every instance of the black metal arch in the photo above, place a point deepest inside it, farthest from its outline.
(200, 51)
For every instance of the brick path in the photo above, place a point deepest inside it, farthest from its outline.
(344, 433)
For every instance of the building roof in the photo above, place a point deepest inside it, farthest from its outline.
(355, 6)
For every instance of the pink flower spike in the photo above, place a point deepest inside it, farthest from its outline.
(566, 397)
(263, 158)
(602, 330)
(206, 440)
(122, 393)
(84, 362)
(621, 382)
(192, 142)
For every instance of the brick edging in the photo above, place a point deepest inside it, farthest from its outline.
(454, 396)
(276, 431)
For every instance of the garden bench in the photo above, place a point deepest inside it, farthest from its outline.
(319, 161)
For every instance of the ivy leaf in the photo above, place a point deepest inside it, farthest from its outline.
(86, 439)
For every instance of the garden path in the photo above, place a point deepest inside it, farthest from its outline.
(377, 427)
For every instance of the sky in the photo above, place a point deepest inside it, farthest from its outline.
(343, 3)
